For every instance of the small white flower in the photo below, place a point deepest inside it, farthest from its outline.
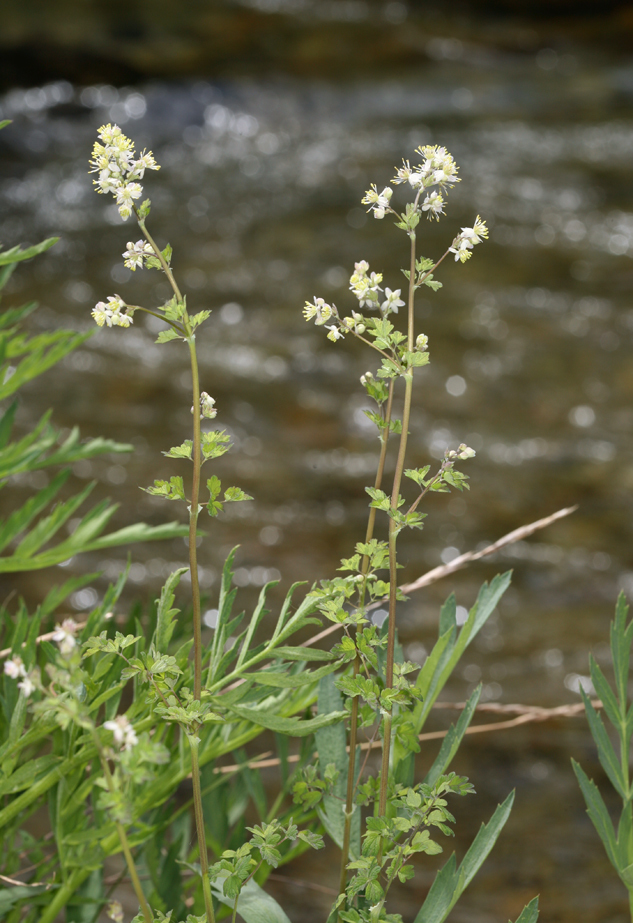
(64, 635)
(207, 410)
(334, 334)
(125, 196)
(111, 313)
(465, 451)
(402, 173)
(378, 201)
(123, 732)
(137, 253)
(392, 301)
(367, 377)
(14, 667)
(422, 342)
(416, 180)
(320, 310)
(27, 686)
(434, 205)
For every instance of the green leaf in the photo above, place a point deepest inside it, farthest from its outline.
(621, 638)
(606, 754)
(140, 532)
(529, 914)
(331, 743)
(253, 904)
(597, 811)
(453, 739)
(180, 451)
(10, 896)
(16, 255)
(199, 318)
(302, 653)
(450, 883)
(5, 122)
(448, 615)
(605, 693)
(165, 615)
(166, 335)
(232, 494)
(296, 727)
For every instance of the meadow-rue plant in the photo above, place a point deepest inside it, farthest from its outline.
(192, 703)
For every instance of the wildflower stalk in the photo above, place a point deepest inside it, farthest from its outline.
(353, 732)
(193, 570)
(393, 532)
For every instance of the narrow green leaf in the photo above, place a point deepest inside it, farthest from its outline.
(597, 811)
(331, 745)
(529, 914)
(302, 653)
(621, 646)
(297, 727)
(9, 897)
(21, 518)
(484, 841)
(258, 614)
(439, 900)
(606, 754)
(605, 693)
(165, 614)
(6, 424)
(293, 680)
(448, 615)
(453, 739)
(16, 255)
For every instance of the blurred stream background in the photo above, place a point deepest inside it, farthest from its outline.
(270, 118)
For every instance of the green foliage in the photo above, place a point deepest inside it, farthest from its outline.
(618, 846)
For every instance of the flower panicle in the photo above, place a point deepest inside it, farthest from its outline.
(118, 170)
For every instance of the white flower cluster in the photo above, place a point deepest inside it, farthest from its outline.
(136, 253)
(378, 201)
(463, 452)
(207, 410)
(123, 731)
(437, 169)
(118, 171)
(64, 635)
(16, 670)
(319, 310)
(464, 242)
(112, 313)
(364, 286)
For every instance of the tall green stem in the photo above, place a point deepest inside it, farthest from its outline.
(193, 523)
(193, 569)
(393, 576)
(353, 732)
(202, 843)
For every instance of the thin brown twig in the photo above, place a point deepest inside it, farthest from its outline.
(304, 884)
(425, 580)
(525, 714)
(444, 570)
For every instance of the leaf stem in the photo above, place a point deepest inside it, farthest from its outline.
(160, 257)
